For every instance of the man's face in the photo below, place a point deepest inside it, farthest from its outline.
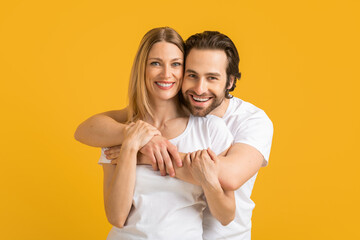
(204, 81)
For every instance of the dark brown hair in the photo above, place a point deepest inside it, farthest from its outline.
(218, 41)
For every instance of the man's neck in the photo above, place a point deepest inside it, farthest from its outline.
(221, 109)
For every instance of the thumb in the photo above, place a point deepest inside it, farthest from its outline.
(212, 155)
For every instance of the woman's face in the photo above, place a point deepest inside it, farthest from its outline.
(164, 71)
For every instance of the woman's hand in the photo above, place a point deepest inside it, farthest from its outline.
(203, 167)
(138, 134)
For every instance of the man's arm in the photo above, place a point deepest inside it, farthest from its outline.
(108, 129)
(236, 166)
(205, 171)
(103, 130)
(241, 162)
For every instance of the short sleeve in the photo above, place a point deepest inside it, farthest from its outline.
(256, 131)
(103, 159)
(221, 137)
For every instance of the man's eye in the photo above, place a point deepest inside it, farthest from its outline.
(212, 78)
(191, 75)
(155, 64)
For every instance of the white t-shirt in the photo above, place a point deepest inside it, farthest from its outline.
(165, 207)
(249, 125)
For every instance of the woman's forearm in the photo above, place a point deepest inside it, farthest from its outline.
(119, 192)
(101, 130)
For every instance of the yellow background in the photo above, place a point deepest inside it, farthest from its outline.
(62, 61)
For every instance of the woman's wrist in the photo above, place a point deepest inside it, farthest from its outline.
(129, 145)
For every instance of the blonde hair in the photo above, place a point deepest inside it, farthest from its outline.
(139, 104)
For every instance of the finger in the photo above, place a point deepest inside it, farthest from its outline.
(153, 162)
(175, 155)
(160, 163)
(115, 149)
(114, 162)
(187, 160)
(155, 132)
(192, 157)
(198, 154)
(212, 155)
(205, 155)
(168, 162)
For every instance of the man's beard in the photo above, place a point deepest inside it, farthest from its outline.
(200, 111)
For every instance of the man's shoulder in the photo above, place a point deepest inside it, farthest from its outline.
(241, 109)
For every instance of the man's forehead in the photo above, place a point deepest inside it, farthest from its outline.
(209, 60)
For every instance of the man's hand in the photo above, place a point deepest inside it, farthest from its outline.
(159, 152)
(203, 167)
(113, 152)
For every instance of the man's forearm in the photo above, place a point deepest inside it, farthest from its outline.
(221, 203)
(100, 131)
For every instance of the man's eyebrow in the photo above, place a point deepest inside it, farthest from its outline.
(214, 74)
(190, 71)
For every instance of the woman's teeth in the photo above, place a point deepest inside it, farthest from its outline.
(164, 84)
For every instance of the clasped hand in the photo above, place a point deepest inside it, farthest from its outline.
(157, 151)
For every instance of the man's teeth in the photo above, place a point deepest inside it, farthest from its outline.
(200, 99)
(164, 84)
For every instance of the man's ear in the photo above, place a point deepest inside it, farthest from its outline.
(232, 78)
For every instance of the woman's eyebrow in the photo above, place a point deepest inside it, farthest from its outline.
(159, 59)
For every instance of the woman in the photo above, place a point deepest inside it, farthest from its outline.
(156, 207)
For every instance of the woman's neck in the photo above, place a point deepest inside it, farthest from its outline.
(165, 110)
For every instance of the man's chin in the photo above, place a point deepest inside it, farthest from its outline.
(199, 112)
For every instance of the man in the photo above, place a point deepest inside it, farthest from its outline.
(210, 74)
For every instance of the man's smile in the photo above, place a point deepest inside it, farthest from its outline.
(199, 101)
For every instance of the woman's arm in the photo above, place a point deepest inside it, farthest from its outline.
(119, 183)
(103, 129)
(119, 180)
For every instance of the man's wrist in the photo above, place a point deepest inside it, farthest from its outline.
(212, 186)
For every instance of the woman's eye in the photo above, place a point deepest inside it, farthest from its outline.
(176, 64)
(155, 64)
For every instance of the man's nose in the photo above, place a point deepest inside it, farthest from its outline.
(200, 87)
